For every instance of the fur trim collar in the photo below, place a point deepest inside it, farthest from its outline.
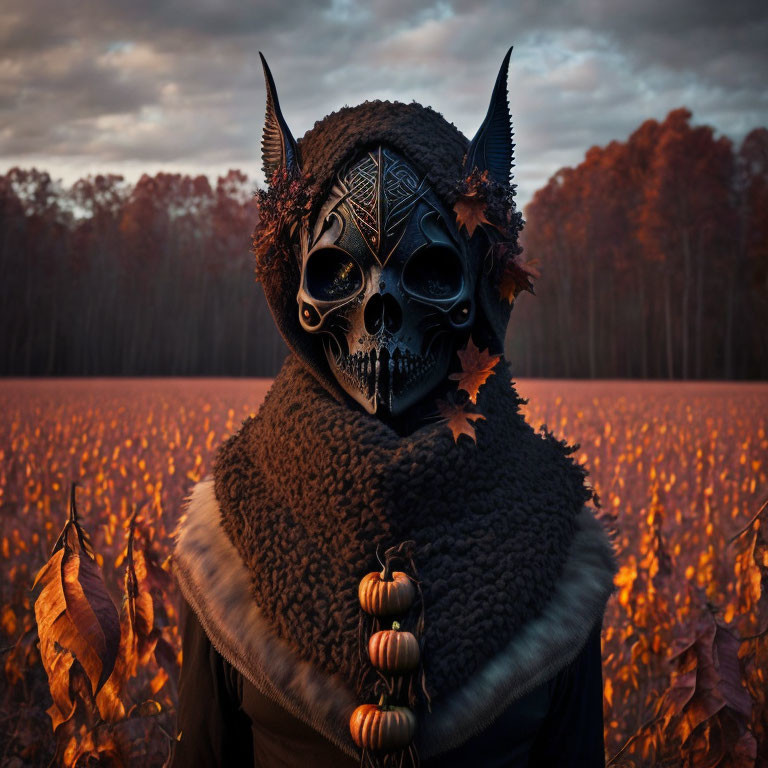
(216, 584)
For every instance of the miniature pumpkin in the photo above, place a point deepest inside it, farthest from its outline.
(382, 596)
(394, 652)
(382, 727)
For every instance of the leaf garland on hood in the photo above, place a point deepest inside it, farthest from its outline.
(481, 200)
(484, 204)
(282, 206)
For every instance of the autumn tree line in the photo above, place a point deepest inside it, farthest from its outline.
(109, 278)
(653, 256)
(654, 260)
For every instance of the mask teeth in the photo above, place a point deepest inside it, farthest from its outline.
(364, 370)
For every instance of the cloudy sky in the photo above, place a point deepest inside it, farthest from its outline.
(146, 85)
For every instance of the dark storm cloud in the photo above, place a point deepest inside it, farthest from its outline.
(146, 85)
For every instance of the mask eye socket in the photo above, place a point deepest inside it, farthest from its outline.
(434, 273)
(332, 275)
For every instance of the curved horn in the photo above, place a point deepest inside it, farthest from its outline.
(278, 147)
(492, 148)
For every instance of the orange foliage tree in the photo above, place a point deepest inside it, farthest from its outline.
(654, 260)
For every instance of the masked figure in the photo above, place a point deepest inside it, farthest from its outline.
(388, 565)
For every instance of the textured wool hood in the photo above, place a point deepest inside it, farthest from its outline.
(434, 147)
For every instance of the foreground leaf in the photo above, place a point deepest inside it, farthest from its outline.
(706, 694)
(147, 615)
(92, 612)
(76, 619)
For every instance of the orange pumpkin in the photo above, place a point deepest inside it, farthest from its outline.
(394, 652)
(382, 727)
(384, 597)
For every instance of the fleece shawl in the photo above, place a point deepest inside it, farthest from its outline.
(514, 568)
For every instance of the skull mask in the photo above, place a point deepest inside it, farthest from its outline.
(383, 287)
(386, 282)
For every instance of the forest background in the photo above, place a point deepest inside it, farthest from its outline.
(653, 255)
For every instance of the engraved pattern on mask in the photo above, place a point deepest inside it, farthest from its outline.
(381, 191)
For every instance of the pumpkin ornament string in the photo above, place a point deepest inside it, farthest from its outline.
(385, 731)
(394, 652)
(384, 728)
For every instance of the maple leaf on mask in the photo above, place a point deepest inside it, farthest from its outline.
(517, 277)
(476, 367)
(458, 419)
(470, 212)
(474, 203)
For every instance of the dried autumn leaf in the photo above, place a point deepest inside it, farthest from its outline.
(57, 669)
(705, 683)
(517, 278)
(76, 618)
(21, 656)
(70, 733)
(109, 698)
(476, 367)
(608, 691)
(96, 743)
(751, 563)
(470, 212)
(140, 578)
(92, 612)
(73, 528)
(458, 419)
(146, 617)
(8, 620)
(158, 681)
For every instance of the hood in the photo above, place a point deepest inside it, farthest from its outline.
(301, 174)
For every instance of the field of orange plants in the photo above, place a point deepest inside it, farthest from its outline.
(681, 470)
